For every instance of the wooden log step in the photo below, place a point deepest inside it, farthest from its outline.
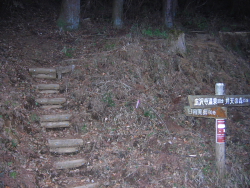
(45, 76)
(48, 107)
(47, 86)
(51, 125)
(51, 101)
(57, 143)
(49, 91)
(91, 185)
(69, 164)
(55, 117)
(64, 150)
(42, 70)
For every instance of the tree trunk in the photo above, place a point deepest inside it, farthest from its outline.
(69, 15)
(117, 13)
(169, 9)
(175, 7)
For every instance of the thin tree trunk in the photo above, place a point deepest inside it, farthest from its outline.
(117, 13)
(168, 11)
(175, 8)
(69, 15)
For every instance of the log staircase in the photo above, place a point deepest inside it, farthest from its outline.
(53, 119)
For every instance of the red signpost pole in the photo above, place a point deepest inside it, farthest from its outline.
(220, 126)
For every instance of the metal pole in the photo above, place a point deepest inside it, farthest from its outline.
(220, 126)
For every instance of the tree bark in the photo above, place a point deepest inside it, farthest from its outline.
(169, 9)
(69, 15)
(117, 13)
(175, 7)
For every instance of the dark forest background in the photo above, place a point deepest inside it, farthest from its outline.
(134, 9)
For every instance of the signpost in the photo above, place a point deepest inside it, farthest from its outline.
(214, 106)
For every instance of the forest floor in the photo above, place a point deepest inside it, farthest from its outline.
(153, 145)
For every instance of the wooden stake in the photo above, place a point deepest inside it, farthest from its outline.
(220, 126)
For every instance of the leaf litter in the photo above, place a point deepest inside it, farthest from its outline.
(127, 96)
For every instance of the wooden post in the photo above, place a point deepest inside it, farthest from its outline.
(220, 126)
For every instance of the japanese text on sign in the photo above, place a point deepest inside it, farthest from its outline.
(207, 101)
(201, 112)
(201, 101)
(215, 112)
(215, 101)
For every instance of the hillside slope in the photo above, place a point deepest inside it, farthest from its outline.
(153, 145)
